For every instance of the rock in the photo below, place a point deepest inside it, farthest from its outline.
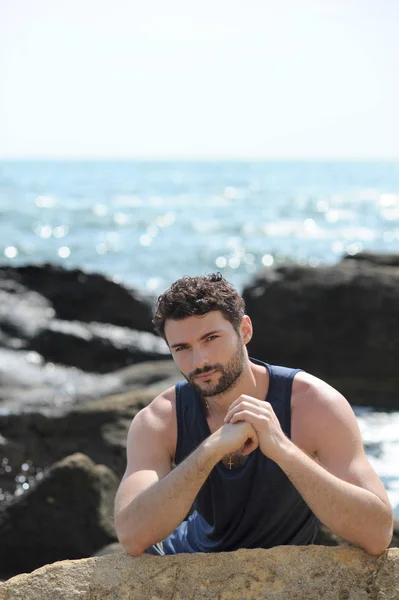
(114, 548)
(337, 322)
(78, 296)
(29, 384)
(75, 319)
(97, 428)
(283, 573)
(325, 537)
(375, 258)
(68, 514)
(96, 347)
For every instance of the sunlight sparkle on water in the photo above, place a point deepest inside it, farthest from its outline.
(389, 200)
(165, 220)
(10, 252)
(234, 262)
(267, 260)
(153, 284)
(145, 240)
(60, 231)
(44, 231)
(121, 218)
(100, 210)
(64, 252)
(221, 262)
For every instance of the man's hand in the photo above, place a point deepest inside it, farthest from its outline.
(262, 417)
(235, 436)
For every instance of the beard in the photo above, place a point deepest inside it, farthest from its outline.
(229, 378)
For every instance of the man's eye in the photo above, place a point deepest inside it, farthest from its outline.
(212, 337)
(180, 348)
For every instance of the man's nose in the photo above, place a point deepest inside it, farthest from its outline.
(200, 358)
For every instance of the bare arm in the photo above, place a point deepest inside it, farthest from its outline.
(153, 500)
(338, 484)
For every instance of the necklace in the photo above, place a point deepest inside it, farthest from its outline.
(230, 462)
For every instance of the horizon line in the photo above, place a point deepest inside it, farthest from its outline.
(165, 159)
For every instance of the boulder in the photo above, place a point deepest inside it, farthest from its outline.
(39, 435)
(68, 514)
(77, 319)
(283, 573)
(78, 296)
(337, 322)
(96, 347)
(97, 429)
(28, 383)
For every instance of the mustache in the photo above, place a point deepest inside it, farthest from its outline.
(206, 369)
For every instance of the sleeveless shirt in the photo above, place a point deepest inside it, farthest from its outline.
(251, 506)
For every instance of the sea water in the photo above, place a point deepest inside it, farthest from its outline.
(147, 223)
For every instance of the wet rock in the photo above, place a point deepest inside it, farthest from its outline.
(78, 296)
(390, 260)
(97, 428)
(68, 514)
(76, 319)
(27, 383)
(338, 322)
(96, 347)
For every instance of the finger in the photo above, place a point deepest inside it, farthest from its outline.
(250, 445)
(260, 423)
(248, 401)
(240, 399)
(245, 405)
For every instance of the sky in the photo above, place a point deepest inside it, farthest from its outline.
(215, 79)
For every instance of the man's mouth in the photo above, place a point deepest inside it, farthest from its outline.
(205, 376)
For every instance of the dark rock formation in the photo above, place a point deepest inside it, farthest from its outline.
(76, 319)
(68, 514)
(97, 428)
(76, 295)
(96, 347)
(339, 323)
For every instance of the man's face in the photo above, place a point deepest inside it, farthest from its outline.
(208, 351)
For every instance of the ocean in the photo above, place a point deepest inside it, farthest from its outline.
(147, 223)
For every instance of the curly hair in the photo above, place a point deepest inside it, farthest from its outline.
(196, 296)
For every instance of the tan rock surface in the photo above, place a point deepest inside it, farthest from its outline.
(283, 573)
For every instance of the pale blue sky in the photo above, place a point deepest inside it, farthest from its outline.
(209, 79)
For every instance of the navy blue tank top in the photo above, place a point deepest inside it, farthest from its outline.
(252, 506)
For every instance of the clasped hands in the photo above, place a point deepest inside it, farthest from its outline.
(264, 421)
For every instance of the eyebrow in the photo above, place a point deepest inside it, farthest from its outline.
(203, 337)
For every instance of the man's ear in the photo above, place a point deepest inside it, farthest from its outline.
(246, 329)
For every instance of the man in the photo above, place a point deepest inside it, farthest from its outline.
(263, 453)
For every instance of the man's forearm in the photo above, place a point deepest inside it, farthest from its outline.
(354, 513)
(159, 509)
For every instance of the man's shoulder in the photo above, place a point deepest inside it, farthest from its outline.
(157, 420)
(315, 397)
(316, 407)
(309, 387)
(163, 405)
